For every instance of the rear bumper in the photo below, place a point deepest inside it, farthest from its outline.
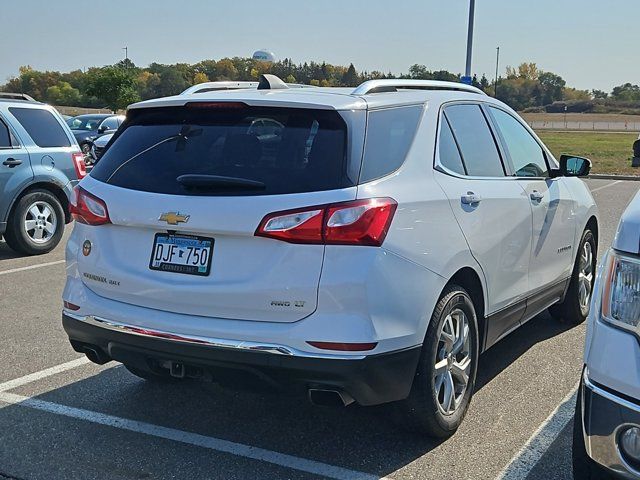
(369, 380)
(605, 414)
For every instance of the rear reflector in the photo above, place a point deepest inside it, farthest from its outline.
(70, 306)
(344, 347)
(88, 209)
(358, 222)
(79, 165)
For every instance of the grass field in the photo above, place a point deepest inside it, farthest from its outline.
(610, 152)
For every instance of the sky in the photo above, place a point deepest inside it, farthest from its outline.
(592, 44)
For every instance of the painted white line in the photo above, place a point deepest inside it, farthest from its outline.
(30, 267)
(211, 443)
(606, 186)
(530, 454)
(18, 382)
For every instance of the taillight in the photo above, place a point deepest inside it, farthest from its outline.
(88, 209)
(345, 347)
(359, 222)
(79, 165)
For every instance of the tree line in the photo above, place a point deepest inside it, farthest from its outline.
(525, 87)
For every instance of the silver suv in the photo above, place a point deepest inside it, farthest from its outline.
(40, 163)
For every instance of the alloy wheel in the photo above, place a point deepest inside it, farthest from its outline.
(453, 362)
(40, 222)
(585, 275)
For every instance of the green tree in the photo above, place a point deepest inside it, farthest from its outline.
(63, 94)
(551, 87)
(350, 77)
(114, 85)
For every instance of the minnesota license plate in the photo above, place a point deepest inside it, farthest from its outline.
(187, 254)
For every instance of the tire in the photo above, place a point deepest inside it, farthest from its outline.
(425, 410)
(43, 210)
(583, 466)
(151, 376)
(572, 310)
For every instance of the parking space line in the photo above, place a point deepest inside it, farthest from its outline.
(189, 438)
(606, 186)
(33, 377)
(530, 454)
(30, 267)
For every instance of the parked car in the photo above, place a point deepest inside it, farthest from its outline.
(88, 127)
(422, 223)
(606, 440)
(97, 148)
(40, 163)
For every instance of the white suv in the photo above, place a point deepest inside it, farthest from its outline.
(367, 250)
(607, 422)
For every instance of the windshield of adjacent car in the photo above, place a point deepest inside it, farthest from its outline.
(85, 122)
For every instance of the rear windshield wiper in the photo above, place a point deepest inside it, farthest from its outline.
(208, 182)
(186, 132)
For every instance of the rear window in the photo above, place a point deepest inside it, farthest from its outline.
(390, 134)
(42, 127)
(264, 150)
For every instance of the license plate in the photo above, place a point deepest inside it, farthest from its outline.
(188, 254)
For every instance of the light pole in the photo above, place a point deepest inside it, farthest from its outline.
(467, 71)
(126, 52)
(495, 85)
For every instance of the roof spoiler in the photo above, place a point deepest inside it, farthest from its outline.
(271, 82)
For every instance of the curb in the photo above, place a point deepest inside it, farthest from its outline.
(597, 176)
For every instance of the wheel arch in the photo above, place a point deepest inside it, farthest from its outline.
(52, 188)
(469, 279)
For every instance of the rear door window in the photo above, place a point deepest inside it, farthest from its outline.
(158, 147)
(42, 126)
(477, 145)
(448, 149)
(390, 133)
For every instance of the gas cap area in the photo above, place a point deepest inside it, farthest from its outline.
(48, 162)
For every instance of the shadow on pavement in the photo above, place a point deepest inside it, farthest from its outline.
(362, 439)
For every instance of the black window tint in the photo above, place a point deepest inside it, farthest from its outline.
(5, 136)
(389, 136)
(449, 154)
(526, 154)
(42, 127)
(158, 145)
(478, 148)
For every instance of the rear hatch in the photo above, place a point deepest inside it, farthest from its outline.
(186, 188)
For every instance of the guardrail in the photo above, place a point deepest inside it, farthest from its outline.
(594, 126)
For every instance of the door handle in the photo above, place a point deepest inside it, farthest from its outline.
(536, 196)
(12, 162)
(470, 198)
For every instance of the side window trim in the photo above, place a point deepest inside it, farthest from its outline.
(498, 144)
(455, 140)
(503, 143)
(13, 138)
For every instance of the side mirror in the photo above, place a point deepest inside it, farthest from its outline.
(571, 166)
(102, 128)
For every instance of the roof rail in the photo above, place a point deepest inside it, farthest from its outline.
(16, 96)
(379, 86)
(214, 86)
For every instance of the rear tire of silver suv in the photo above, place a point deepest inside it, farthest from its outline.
(36, 223)
(445, 378)
(575, 307)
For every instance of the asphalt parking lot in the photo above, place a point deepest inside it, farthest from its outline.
(64, 418)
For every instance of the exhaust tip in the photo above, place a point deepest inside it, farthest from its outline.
(329, 398)
(96, 356)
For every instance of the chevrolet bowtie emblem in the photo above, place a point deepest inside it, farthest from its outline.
(174, 218)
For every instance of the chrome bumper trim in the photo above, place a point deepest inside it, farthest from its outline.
(204, 341)
(602, 444)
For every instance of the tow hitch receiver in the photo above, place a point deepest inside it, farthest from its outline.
(177, 369)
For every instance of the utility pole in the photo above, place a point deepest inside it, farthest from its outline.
(467, 71)
(126, 52)
(495, 85)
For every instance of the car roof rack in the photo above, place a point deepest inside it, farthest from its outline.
(267, 82)
(388, 85)
(16, 96)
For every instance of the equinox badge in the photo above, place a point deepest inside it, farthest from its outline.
(174, 218)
